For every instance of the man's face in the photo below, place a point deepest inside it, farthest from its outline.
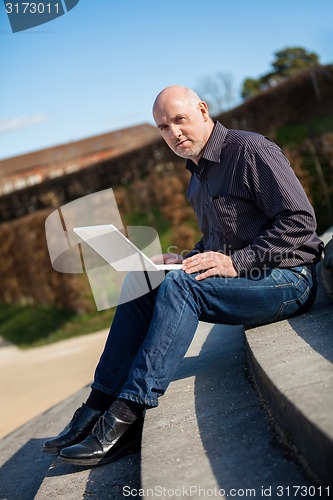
(184, 125)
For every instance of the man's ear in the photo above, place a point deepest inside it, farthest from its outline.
(203, 106)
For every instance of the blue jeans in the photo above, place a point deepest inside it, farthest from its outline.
(150, 335)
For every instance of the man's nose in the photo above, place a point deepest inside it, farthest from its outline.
(175, 132)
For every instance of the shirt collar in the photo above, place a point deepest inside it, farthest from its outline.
(212, 150)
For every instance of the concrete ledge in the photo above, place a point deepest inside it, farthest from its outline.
(292, 363)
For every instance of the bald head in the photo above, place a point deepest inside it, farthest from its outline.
(176, 92)
(183, 120)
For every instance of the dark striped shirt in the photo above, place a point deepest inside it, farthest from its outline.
(249, 203)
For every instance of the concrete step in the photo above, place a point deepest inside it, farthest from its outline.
(293, 365)
(211, 434)
(292, 362)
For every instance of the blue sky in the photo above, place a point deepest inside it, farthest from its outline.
(99, 67)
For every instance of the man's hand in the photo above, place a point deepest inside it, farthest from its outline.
(211, 263)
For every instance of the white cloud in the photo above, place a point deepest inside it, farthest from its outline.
(13, 124)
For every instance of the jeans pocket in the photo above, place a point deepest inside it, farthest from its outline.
(293, 307)
(286, 277)
(298, 289)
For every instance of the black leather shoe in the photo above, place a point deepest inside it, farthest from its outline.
(78, 429)
(109, 439)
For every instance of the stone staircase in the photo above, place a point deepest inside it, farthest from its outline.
(246, 415)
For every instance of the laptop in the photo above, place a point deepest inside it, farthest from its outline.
(116, 249)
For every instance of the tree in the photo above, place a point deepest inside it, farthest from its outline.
(250, 88)
(287, 62)
(217, 91)
(292, 60)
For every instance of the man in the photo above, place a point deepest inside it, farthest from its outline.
(255, 264)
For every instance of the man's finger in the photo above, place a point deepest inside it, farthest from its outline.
(195, 267)
(206, 274)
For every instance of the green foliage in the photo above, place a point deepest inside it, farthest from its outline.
(287, 62)
(292, 60)
(296, 133)
(291, 134)
(31, 326)
(250, 88)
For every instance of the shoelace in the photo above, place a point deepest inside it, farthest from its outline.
(103, 430)
(97, 428)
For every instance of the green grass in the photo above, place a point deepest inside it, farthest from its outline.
(32, 326)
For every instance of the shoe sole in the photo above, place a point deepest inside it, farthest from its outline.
(111, 456)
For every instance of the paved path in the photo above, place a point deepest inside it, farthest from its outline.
(34, 380)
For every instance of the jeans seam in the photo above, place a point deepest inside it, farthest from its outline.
(176, 327)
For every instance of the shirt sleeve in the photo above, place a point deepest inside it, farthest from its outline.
(275, 189)
(198, 248)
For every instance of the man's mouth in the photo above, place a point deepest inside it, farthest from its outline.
(180, 143)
